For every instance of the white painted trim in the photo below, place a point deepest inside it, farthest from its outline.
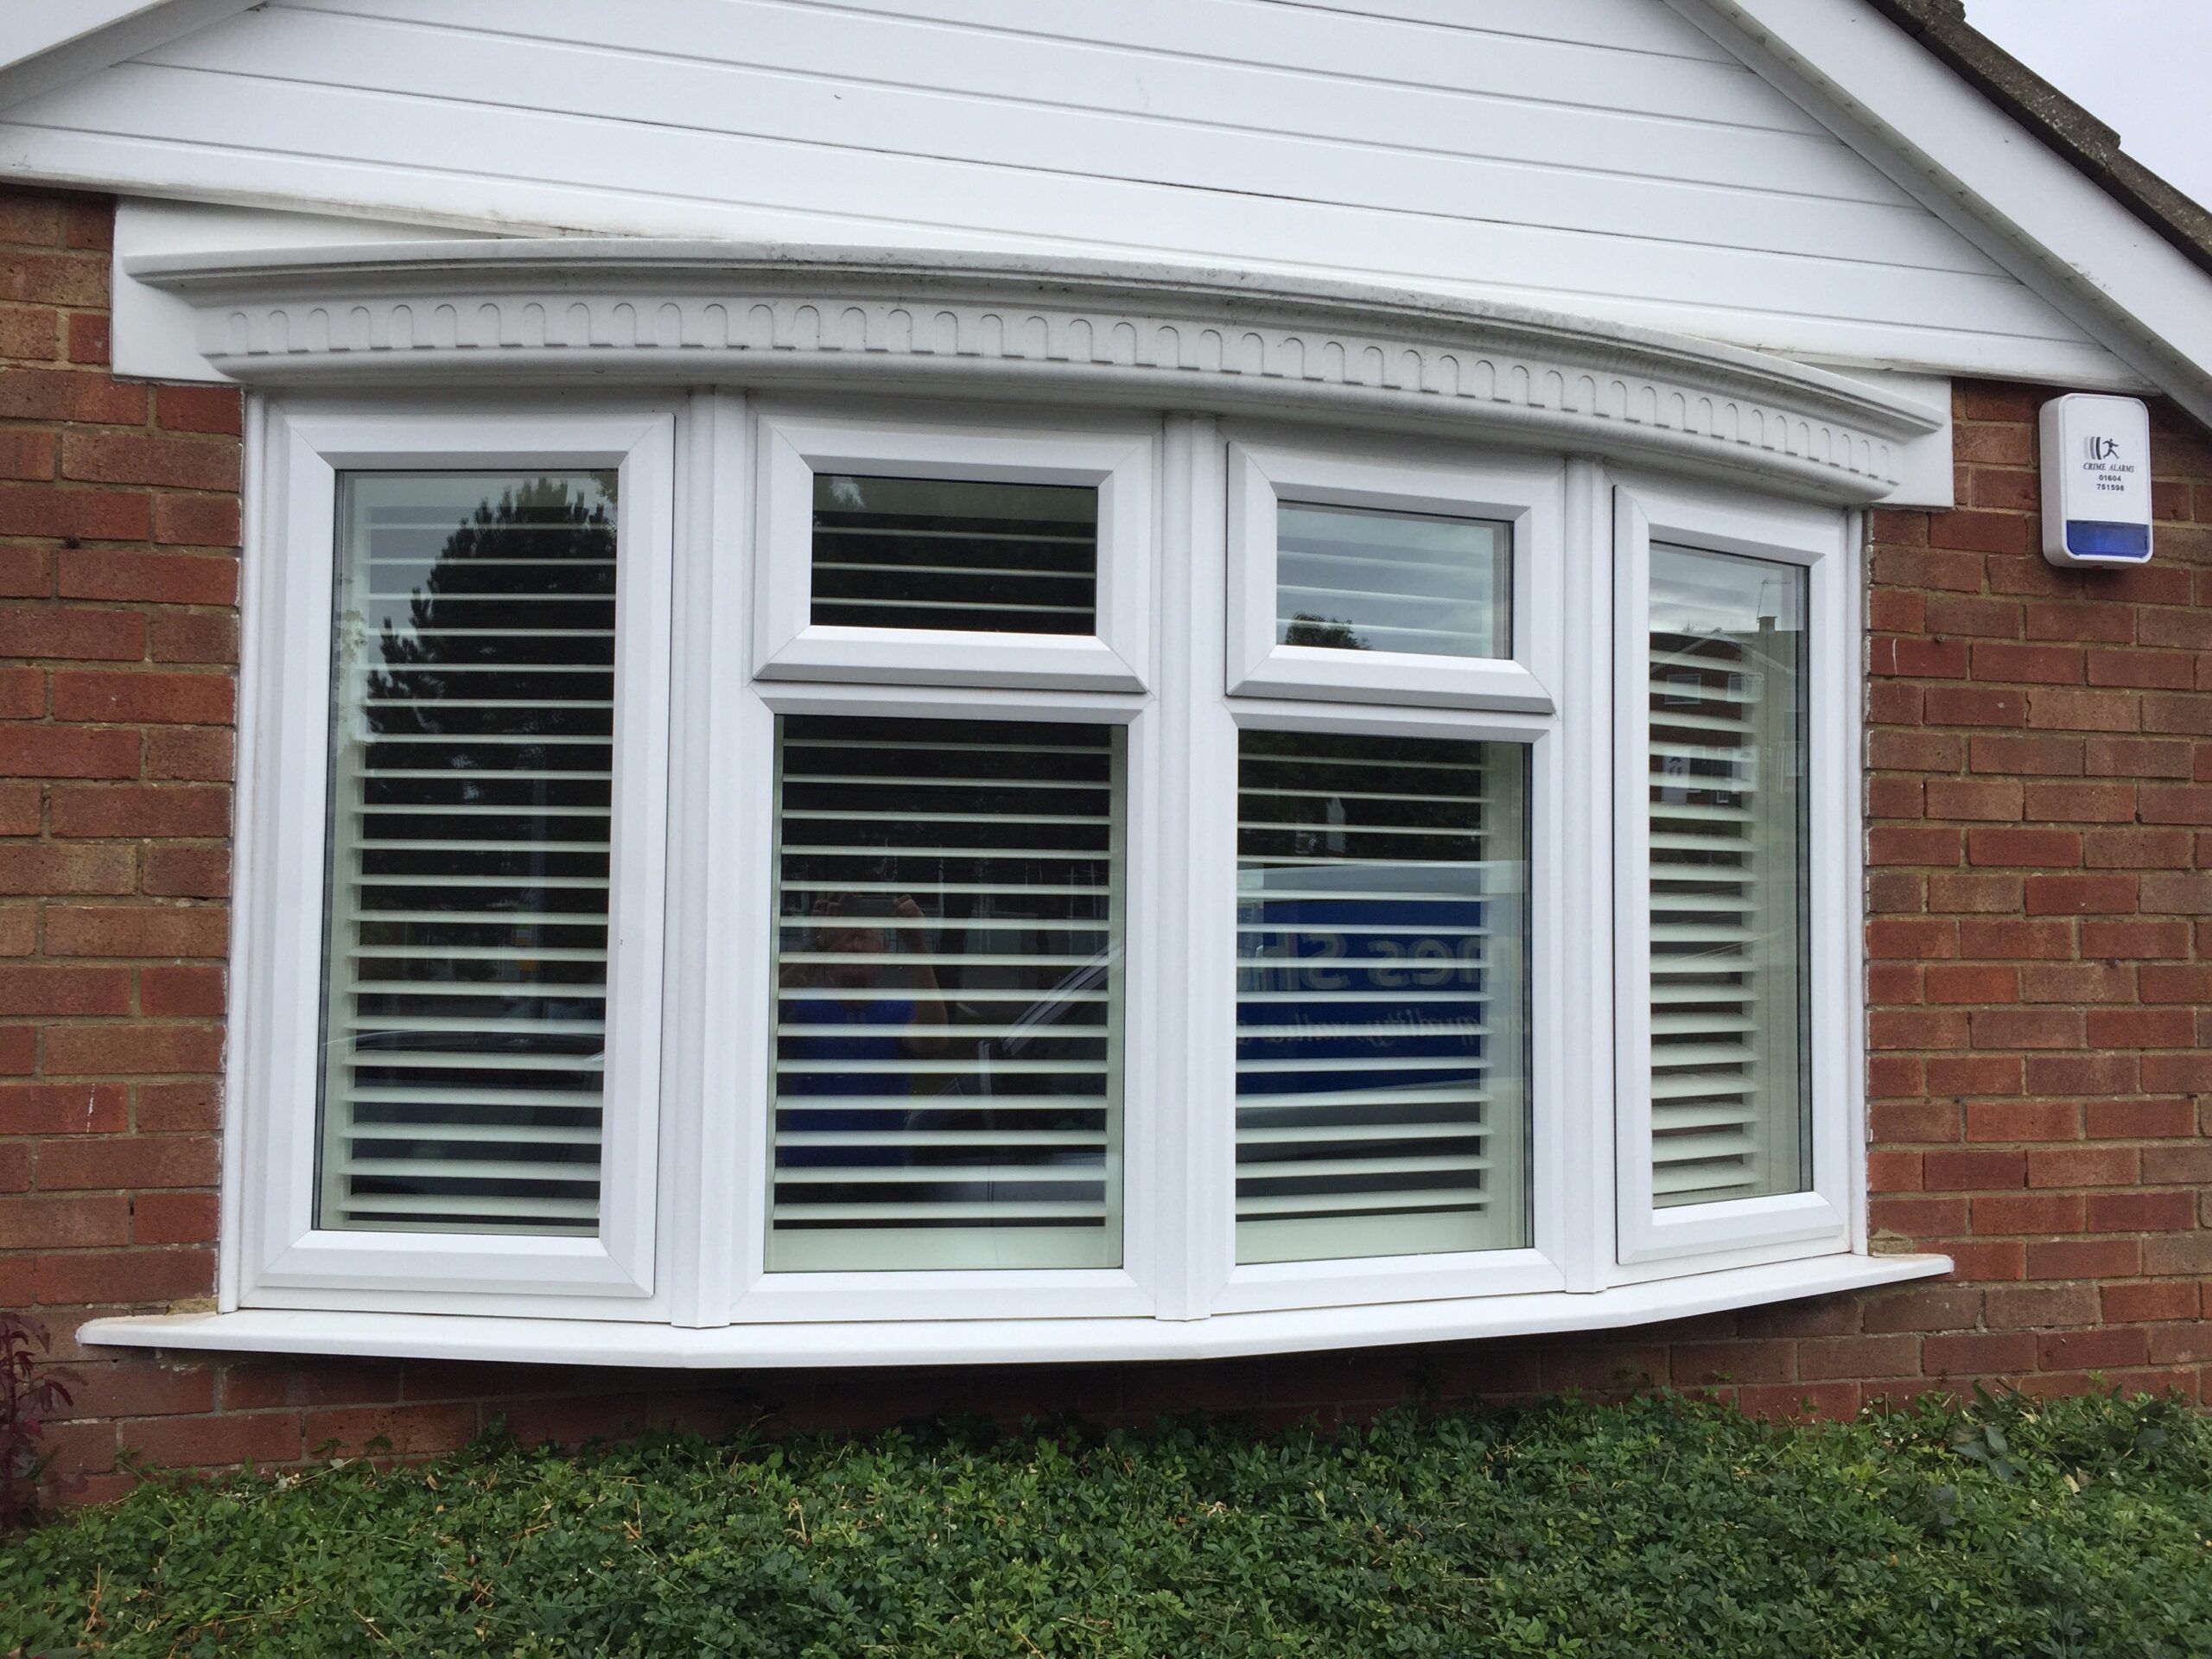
(1818, 1219)
(1035, 329)
(1927, 471)
(283, 1257)
(46, 44)
(1525, 495)
(1894, 102)
(1023, 1341)
(1116, 455)
(717, 823)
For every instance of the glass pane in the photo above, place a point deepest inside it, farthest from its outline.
(1381, 990)
(1356, 579)
(948, 1073)
(466, 912)
(954, 553)
(1729, 1086)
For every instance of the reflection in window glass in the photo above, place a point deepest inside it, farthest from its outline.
(1357, 579)
(955, 553)
(1381, 1073)
(947, 1074)
(1729, 1085)
(465, 913)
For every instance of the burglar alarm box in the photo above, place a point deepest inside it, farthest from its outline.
(2096, 480)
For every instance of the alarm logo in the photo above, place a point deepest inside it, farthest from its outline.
(2103, 448)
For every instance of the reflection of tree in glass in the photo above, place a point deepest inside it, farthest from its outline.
(476, 608)
(1330, 633)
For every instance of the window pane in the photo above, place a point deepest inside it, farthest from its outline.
(1382, 1092)
(1730, 1100)
(466, 912)
(953, 553)
(1355, 579)
(948, 1071)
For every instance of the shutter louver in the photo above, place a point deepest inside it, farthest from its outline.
(466, 912)
(1726, 847)
(947, 1076)
(1381, 983)
(955, 554)
(1355, 579)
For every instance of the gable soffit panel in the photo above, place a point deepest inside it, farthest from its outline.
(1602, 157)
(2068, 241)
(48, 44)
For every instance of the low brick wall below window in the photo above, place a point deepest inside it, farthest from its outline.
(2039, 972)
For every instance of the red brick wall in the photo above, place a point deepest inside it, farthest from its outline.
(2040, 950)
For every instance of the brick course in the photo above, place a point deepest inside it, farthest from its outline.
(2039, 972)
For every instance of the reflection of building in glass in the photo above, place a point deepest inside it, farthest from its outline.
(1382, 976)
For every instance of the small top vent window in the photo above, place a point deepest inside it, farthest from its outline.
(955, 554)
(1354, 579)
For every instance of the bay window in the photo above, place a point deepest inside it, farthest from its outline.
(1030, 861)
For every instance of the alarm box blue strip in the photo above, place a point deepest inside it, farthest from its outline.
(2087, 538)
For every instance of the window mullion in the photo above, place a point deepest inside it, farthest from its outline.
(709, 1159)
(1189, 917)
(1573, 960)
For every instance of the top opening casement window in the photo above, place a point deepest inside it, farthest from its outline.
(952, 550)
(864, 866)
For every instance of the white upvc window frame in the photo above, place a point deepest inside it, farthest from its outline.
(1268, 687)
(275, 1067)
(796, 440)
(757, 1295)
(714, 536)
(1818, 1220)
(1456, 481)
(1544, 1263)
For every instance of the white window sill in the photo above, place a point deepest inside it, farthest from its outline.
(588, 1341)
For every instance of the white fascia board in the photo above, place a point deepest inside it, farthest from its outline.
(1926, 477)
(960, 1342)
(46, 44)
(152, 329)
(1892, 99)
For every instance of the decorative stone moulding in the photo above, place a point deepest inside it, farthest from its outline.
(952, 324)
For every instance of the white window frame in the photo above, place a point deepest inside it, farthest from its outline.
(717, 548)
(1713, 519)
(1115, 455)
(275, 1057)
(1410, 476)
(1544, 1263)
(758, 1295)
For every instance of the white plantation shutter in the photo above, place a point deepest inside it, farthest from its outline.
(1381, 1039)
(1355, 579)
(467, 909)
(955, 553)
(947, 1074)
(1727, 848)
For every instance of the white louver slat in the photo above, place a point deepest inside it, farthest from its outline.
(949, 553)
(947, 1082)
(1382, 980)
(1357, 578)
(467, 901)
(1727, 851)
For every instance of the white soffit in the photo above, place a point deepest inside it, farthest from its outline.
(1898, 104)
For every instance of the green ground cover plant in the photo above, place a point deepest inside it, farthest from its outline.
(1664, 1526)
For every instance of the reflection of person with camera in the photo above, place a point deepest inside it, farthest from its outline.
(852, 1016)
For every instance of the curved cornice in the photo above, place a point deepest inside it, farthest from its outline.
(963, 324)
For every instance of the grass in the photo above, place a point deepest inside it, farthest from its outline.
(1664, 1526)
